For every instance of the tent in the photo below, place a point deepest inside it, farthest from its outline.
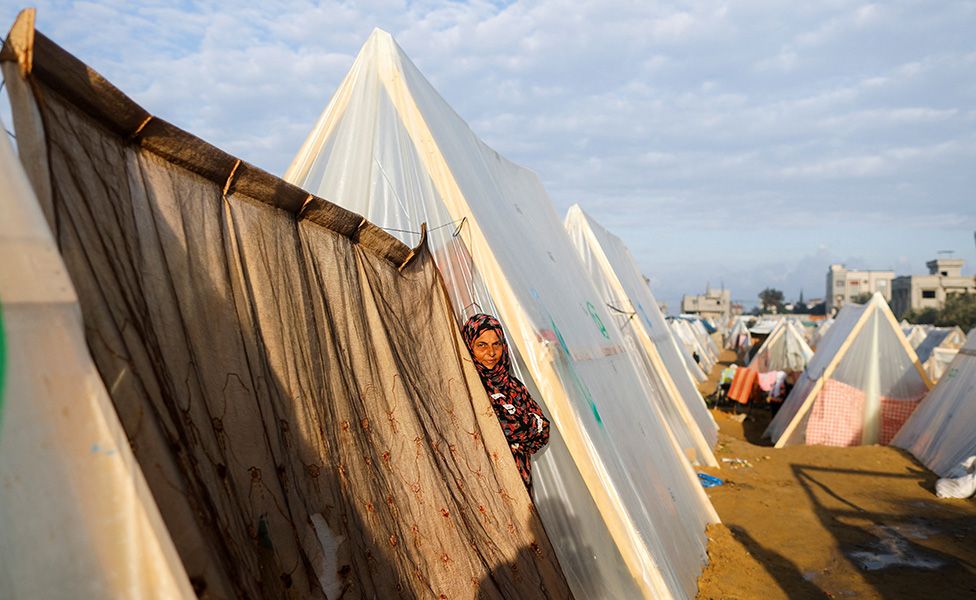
(703, 331)
(693, 341)
(637, 315)
(737, 333)
(820, 332)
(290, 377)
(388, 146)
(739, 338)
(940, 432)
(860, 386)
(915, 334)
(784, 350)
(696, 361)
(939, 348)
(78, 519)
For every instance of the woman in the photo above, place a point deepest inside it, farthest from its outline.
(524, 425)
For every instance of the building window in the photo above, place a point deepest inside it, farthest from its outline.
(928, 293)
(840, 284)
(945, 273)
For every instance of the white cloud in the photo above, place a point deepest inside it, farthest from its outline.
(697, 117)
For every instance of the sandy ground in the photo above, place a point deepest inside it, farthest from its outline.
(819, 522)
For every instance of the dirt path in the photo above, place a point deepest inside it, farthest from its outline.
(818, 522)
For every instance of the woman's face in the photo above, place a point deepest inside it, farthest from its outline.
(488, 348)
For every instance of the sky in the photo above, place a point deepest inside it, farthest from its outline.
(747, 144)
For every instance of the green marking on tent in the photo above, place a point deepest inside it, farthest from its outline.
(596, 319)
(579, 384)
(589, 398)
(559, 336)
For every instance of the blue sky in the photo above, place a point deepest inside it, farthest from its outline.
(749, 143)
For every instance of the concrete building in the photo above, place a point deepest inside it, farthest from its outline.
(919, 292)
(843, 285)
(713, 304)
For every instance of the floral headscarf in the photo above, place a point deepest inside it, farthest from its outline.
(522, 421)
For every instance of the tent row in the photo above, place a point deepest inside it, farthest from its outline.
(699, 351)
(865, 384)
(288, 372)
(938, 348)
(784, 349)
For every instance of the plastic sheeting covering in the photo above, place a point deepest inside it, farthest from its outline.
(939, 348)
(784, 350)
(864, 349)
(636, 313)
(821, 331)
(78, 519)
(290, 377)
(939, 362)
(946, 338)
(915, 334)
(687, 350)
(388, 146)
(684, 332)
(738, 329)
(706, 336)
(940, 431)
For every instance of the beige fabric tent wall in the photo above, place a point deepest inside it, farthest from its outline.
(289, 375)
(638, 316)
(78, 519)
(863, 352)
(783, 350)
(940, 432)
(614, 483)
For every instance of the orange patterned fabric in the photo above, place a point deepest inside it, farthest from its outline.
(743, 383)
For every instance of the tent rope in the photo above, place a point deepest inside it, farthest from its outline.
(631, 314)
(460, 223)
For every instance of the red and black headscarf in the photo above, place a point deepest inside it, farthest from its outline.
(522, 421)
(499, 375)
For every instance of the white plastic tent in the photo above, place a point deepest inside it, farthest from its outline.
(861, 385)
(697, 326)
(686, 333)
(703, 331)
(636, 313)
(739, 328)
(940, 432)
(78, 518)
(915, 334)
(784, 350)
(939, 348)
(821, 331)
(621, 503)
